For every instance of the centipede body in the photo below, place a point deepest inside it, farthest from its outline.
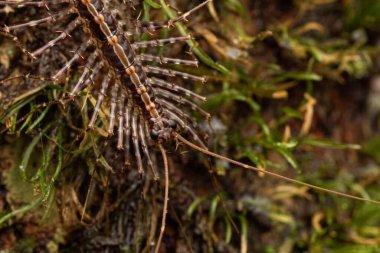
(144, 109)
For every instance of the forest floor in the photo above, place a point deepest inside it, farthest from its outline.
(297, 92)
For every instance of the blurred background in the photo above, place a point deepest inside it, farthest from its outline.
(293, 87)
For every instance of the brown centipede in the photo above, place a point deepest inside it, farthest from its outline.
(142, 107)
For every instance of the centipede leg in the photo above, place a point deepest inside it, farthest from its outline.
(51, 18)
(53, 42)
(32, 3)
(172, 73)
(144, 147)
(135, 140)
(166, 60)
(99, 101)
(77, 55)
(156, 82)
(128, 130)
(18, 43)
(159, 42)
(181, 100)
(79, 85)
(186, 127)
(95, 72)
(114, 96)
(120, 117)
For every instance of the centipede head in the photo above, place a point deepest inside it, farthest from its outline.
(163, 130)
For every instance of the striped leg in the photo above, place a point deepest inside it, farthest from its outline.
(181, 100)
(114, 96)
(128, 130)
(95, 72)
(62, 36)
(51, 18)
(99, 101)
(172, 73)
(186, 127)
(120, 117)
(159, 42)
(18, 43)
(173, 87)
(135, 140)
(88, 67)
(144, 147)
(81, 49)
(166, 60)
(32, 3)
(176, 110)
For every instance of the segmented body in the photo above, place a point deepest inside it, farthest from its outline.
(140, 106)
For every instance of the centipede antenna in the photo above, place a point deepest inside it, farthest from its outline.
(176, 110)
(249, 167)
(166, 197)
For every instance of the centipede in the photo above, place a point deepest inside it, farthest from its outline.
(146, 108)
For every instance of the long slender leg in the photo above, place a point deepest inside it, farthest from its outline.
(154, 26)
(159, 42)
(144, 147)
(62, 36)
(81, 49)
(51, 18)
(166, 94)
(79, 85)
(114, 95)
(95, 72)
(120, 117)
(176, 110)
(18, 43)
(135, 140)
(186, 127)
(166, 60)
(32, 3)
(171, 73)
(99, 101)
(173, 87)
(128, 130)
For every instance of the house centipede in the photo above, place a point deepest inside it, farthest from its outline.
(141, 105)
